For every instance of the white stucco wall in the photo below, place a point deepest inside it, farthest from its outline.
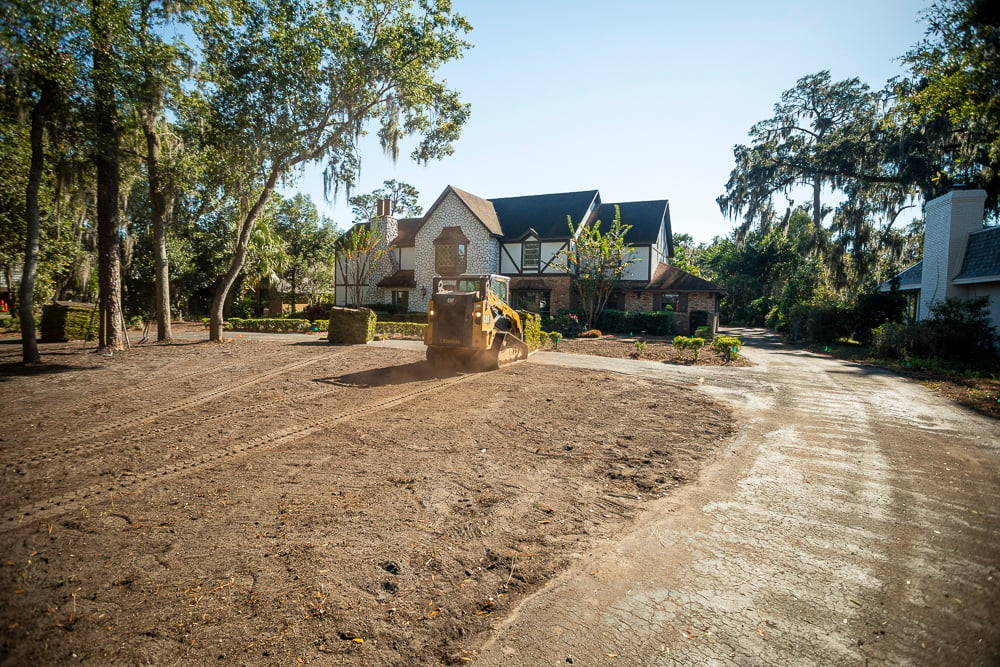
(639, 268)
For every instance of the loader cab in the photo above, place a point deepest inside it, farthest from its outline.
(475, 285)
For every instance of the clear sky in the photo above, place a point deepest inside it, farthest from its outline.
(640, 99)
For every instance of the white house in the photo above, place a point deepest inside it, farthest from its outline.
(961, 256)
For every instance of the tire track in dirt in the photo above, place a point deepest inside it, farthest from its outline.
(54, 449)
(47, 457)
(61, 504)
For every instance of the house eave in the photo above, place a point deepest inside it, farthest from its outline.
(976, 279)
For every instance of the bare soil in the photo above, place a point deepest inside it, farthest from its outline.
(259, 502)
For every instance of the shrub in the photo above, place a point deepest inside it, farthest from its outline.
(820, 323)
(961, 331)
(872, 310)
(565, 322)
(400, 329)
(654, 322)
(268, 324)
(703, 332)
(727, 346)
(554, 337)
(591, 333)
(639, 347)
(693, 344)
(613, 320)
(532, 324)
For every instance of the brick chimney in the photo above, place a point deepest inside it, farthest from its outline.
(383, 208)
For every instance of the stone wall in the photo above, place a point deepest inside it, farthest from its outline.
(482, 253)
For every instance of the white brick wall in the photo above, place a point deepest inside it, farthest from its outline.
(949, 220)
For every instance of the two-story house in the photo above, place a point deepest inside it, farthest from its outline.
(522, 238)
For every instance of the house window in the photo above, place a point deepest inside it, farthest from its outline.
(535, 301)
(531, 255)
(450, 252)
(449, 258)
(401, 298)
(675, 302)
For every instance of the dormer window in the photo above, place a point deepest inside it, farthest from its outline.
(531, 255)
(450, 252)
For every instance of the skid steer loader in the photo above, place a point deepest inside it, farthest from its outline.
(470, 326)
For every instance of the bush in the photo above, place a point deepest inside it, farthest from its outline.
(698, 320)
(820, 323)
(532, 324)
(727, 346)
(692, 345)
(654, 322)
(591, 333)
(269, 324)
(554, 337)
(703, 332)
(613, 320)
(872, 310)
(565, 322)
(400, 329)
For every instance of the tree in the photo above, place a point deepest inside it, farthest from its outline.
(830, 137)
(948, 109)
(299, 81)
(309, 240)
(403, 197)
(37, 71)
(358, 253)
(597, 261)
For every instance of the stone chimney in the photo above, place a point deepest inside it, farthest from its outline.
(949, 220)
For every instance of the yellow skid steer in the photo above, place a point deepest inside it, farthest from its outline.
(470, 326)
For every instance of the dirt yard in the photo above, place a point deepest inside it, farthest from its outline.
(260, 502)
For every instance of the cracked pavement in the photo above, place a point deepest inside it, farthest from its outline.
(853, 519)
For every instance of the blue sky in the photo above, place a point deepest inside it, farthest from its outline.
(641, 99)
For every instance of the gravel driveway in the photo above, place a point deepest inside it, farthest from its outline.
(853, 520)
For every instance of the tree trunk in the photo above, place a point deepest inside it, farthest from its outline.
(158, 212)
(239, 257)
(26, 299)
(817, 206)
(111, 335)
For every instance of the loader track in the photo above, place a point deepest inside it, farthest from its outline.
(105, 492)
(56, 450)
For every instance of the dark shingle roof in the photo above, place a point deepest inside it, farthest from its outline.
(982, 255)
(912, 277)
(402, 278)
(644, 217)
(481, 208)
(668, 278)
(407, 232)
(546, 214)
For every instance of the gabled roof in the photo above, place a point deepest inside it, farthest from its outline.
(645, 218)
(668, 278)
(544, 214)
(982, 257)
(481, 208)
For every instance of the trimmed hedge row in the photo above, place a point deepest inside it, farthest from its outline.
(275, 324)
(405, 329)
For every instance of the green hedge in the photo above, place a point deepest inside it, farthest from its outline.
(404, 329)
(271, 324)
(69, 320)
